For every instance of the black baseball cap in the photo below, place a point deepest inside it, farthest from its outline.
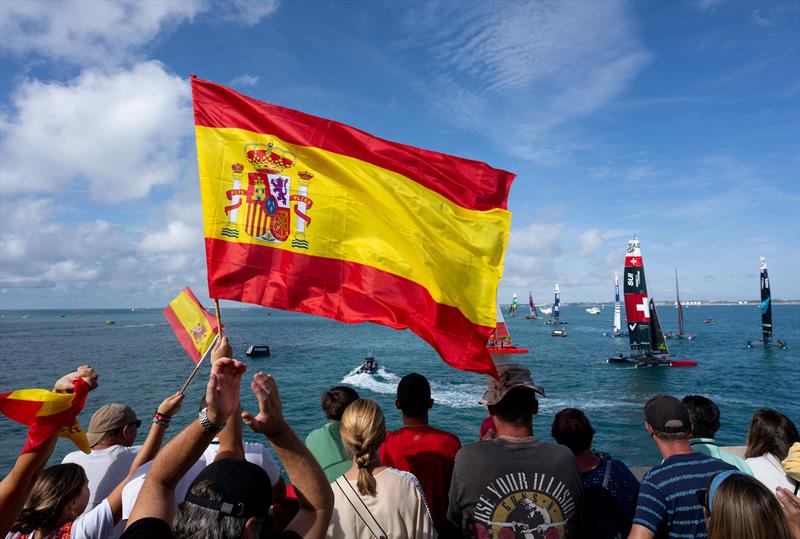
(413, 387)
(667, 414)
(245, 488)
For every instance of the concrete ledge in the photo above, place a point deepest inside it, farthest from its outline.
(738, 450)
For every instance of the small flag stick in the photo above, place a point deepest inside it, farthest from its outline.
(196, 367)
(219, 321)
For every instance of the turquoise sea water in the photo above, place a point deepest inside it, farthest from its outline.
(140, 362)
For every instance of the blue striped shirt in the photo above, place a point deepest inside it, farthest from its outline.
(668, 504)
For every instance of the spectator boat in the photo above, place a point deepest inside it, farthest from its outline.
(258, 350)
(370, 365)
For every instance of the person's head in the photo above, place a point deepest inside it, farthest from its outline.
(414, 396)
(738, 506)
(770, 432)
(113, 424)
(511, 397)
(667, 419)
(703, 414)
(572, 428)
(336, 400)
(363, 429)
(60, 494)
(229, 499)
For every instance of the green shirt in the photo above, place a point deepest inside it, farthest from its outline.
(708, 446)
(325, 443)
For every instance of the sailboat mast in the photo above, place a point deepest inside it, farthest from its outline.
(678, 305)
(617, 307)
(637, 304)
(531, 305)
(766, 303)
(556, 304)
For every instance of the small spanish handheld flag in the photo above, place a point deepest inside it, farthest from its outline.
(195, 327)
(47, 412)
(306, 214)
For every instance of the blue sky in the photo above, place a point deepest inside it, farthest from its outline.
(676, 121)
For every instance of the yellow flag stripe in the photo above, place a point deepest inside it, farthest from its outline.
(191, 316)
(368, 215)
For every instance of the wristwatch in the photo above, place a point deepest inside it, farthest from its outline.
(206, 423)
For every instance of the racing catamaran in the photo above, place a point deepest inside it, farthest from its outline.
(512, 311)
(680, 334)
(648, 345)
(532, 307)
(555, 313)
(500, 341)
(616, 331)
(766, 313)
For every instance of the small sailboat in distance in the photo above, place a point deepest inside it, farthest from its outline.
(766, 312)
(512, 310)
(532, 307)
(648, 345)
(680, 334)
(616, 331)
(500, 341)
(555, 311)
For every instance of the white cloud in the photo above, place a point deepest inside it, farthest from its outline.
(176, 237)
(119, 134)
(538, 239)
(244, 81)
(536, 68)
(247, 12)
(89, 32)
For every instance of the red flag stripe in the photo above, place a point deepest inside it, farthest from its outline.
(347, 292)
(180, 332)
(471, 184)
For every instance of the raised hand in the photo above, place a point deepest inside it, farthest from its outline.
(269, 420)
(89, 375)
(221, 349)
(791, 508)
(222, 391)
(171, 405)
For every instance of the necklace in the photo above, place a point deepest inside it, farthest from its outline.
(517, 438)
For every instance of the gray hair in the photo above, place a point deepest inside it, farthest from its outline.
(195, 522)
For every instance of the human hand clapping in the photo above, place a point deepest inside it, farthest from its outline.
(222, 391)
(269, 420)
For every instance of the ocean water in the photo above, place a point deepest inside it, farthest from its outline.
(140, 362)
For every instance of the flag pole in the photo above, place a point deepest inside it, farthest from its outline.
(219, 321)
(197, 367)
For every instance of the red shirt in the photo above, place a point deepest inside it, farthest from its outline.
(429, 454)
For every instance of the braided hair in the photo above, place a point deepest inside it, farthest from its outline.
(363, 429)
(55, 488)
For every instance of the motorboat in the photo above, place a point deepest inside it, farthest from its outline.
(258, 350)
(559, 333)
(370, 365)
(593, 310)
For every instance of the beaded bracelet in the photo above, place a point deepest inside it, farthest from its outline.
(161, 419)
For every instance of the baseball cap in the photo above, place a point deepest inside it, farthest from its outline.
(511, 376)
(109, 417)
(413, 387)
(667, 414)
(244, 487)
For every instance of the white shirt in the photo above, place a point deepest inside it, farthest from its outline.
(767, 469)
(105, 469)
(96, 524)
(254, 453)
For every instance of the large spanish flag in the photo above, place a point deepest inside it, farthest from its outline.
(47, 412)
(194, 327)
(307, 214)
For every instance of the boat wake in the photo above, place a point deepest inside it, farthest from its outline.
(385, 382)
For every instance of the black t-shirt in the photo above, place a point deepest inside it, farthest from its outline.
(155, 528)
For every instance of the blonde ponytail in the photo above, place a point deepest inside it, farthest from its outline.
(363, 429)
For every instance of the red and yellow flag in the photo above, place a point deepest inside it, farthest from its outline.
(195, 327)
(307, 214)
(47, 412)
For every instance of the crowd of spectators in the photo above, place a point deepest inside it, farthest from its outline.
(354, 479)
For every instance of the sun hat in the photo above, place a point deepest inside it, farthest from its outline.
(245, 488)
(109, 417)
(667, 414)
(510, 377)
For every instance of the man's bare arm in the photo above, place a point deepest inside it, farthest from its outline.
(640, 532)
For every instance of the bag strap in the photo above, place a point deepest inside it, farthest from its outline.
(360, 508)
(607, 474)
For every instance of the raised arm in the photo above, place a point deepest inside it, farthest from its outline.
(313, 491)
(157, 497)
(15, 487)
(169, 407)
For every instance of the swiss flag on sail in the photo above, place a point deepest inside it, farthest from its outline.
(637, 307)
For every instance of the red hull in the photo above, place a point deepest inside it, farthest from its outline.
(508, 350)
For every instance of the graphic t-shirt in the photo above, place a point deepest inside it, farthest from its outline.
(509, 490)
(668, 504)
(429, 454)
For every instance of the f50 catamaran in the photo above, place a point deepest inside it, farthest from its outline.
(766, 312)
(648, 345)
(616, 331)
(532, 307)
(500, 341)
(680, 334)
